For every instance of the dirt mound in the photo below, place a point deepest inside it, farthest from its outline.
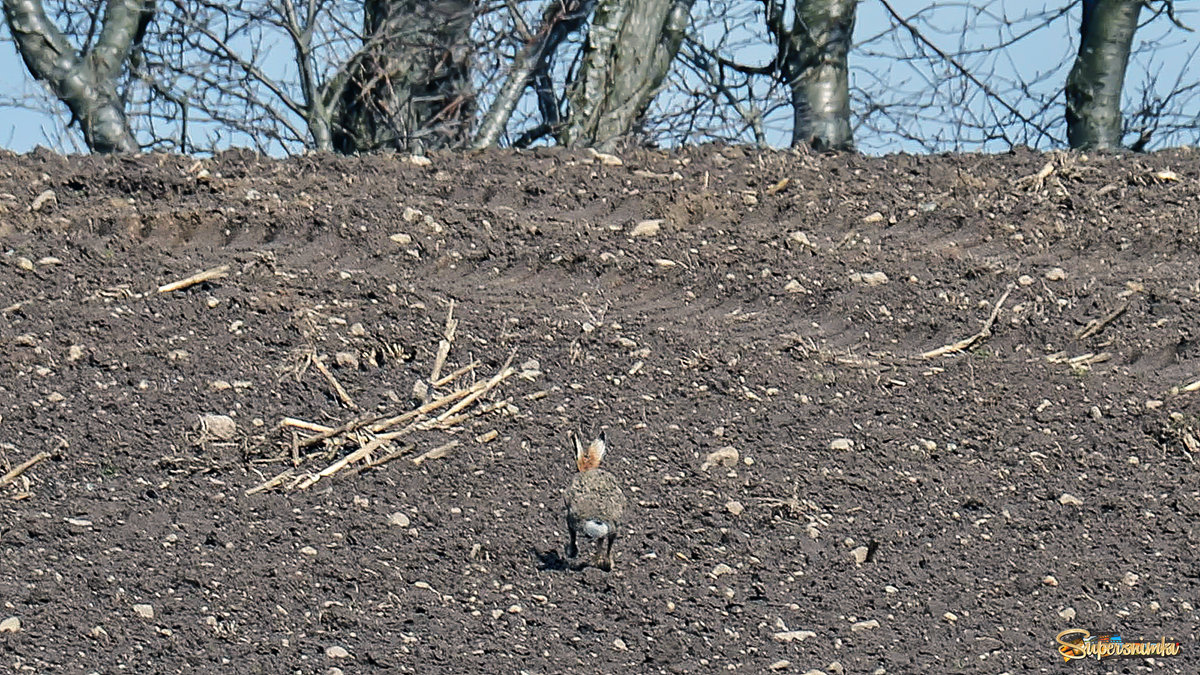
(962, 390)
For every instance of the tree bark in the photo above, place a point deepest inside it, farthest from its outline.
(1095, 83)
(630, 46)
(815, 69)
(86, 83)
(411, 87)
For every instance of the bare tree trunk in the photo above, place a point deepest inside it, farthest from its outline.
(86, 83)
(1094, 85)
(815, 69)
(411, 88)
(630, 47)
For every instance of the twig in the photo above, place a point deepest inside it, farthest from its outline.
(342, 395)
(342, 463)
(198, 278)
(353, 424)
(444, 345)
(436, 453)
(307, 426)
(983, 334)
(395, 454)
(456, 374)
(1096, 325)
(23, 467)
(270, 483)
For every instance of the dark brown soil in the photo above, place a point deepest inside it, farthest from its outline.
(993, 492)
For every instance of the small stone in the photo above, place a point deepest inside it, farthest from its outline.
(619, 645)
(74, 353)
(1025, 280)
(308, 550)
(720, 569)
(46, 197)
(860, 554)
(220, 427)
(1130, 579)
(144, 611)
(793, 635)
(1096, 413)
(337, 652)
(780, 664)
(950, 616)
(347, 360)
(497, 613)
(1049, 580)
(841, 444)
(357, 329)
(398, 519)
(876, 217)
(1070, 500)
(419, 160)
(1056, 274)
(401, 238)
(801, 239)
(220, 385)
(1153, 404)
(735, 507)
(515, 609)
(861, 626)
(79, 522)
(10, 625)
(726, 456)
(49, 260)
(55, 397)
(1067, 614)
(869, 278)
(25, 264)
(646, 228)
(835, 668)
(890, 590)
(793, 286)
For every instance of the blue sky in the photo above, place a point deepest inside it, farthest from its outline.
(1163, 61)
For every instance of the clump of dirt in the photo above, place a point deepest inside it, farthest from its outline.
(954, 401)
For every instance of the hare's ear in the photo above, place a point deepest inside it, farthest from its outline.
(580, 453)
(596, 450)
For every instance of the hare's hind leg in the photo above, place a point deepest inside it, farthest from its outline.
(572, 549)
(607, 560)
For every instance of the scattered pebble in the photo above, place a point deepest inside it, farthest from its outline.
(308, 550)
(25, 264)
(800, 238)
(841, 444)
(1025, 280)
(1067, 614)
(619, 645)
(870, 624)
(398, 519)
(735, 507)
(1096, 413)
(1049, 580)
(1130, 579)
(220, 427)
(727, 456)
(876, 217)
(1056, 274)
(860, 554)
(337, 652)
(347, 360)
(780, 664)
(869, 278)
(79, 522)
(144, 611)
(10, 625)
(950, 616)
(646, 228)
(1070, 500)
(720, 569)
(49, 260)
(793, 635)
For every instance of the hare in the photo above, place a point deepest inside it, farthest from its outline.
(595, 503)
